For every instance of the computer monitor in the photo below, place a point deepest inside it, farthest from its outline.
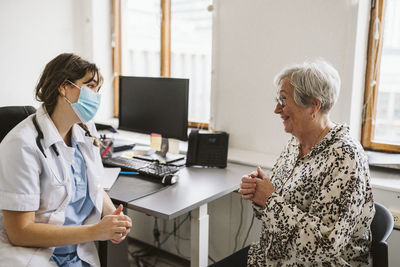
(154, 105)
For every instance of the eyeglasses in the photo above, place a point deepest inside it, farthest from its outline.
(281, 101)
(97, 91)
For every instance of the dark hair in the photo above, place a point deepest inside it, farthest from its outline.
(62, 68)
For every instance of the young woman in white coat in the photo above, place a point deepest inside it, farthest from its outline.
(51, 199)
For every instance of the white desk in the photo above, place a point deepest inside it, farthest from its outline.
(196, 188)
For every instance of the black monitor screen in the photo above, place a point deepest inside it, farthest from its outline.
(154, 105)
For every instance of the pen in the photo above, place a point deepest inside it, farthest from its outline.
(107, 149)
(129, 173)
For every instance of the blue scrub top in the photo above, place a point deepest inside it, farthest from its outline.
(77, 210)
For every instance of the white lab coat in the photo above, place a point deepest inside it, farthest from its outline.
(31, 182)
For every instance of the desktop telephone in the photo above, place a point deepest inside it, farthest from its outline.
(207, 149)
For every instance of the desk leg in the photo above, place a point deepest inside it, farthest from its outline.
(199, 237)
(111, 254)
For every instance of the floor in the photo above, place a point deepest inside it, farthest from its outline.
(143, 255)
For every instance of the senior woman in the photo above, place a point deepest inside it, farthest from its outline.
(316, 206)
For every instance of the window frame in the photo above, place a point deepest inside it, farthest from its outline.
(165, 52)
(374, 56)
(116, 53)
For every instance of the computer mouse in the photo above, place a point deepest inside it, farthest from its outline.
(170, 179)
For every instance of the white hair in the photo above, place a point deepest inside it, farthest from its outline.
(317, 79)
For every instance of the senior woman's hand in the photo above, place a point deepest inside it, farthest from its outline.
(248, 186)
(264, 188)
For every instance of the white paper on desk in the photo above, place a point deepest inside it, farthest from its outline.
(109, 177)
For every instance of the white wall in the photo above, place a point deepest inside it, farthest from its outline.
(254, 40)
(102, 54)
(30, 37)
(34, 32)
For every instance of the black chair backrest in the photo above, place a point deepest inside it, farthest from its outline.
(12, 115)
(381, 228)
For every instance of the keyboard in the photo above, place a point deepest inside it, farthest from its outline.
(144, 167)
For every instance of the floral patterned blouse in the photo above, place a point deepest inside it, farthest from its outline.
(322, 208)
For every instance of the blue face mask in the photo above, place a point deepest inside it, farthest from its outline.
(87, 105)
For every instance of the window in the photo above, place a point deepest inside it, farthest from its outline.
(191, 52)
(168, 38)
(381, 125)
(141, 38)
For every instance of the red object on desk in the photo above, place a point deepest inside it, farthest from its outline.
(105, 151)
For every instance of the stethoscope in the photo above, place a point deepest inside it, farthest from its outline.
(40, 136)
(53, 147)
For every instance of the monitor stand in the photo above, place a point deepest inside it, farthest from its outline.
(163, 156)
(168, 157)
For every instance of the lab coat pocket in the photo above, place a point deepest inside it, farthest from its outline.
(55, 196)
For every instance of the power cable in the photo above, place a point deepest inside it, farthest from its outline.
(240, 225)
(248, 231)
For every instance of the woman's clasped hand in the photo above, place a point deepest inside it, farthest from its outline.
(113, 227)
(257, 187)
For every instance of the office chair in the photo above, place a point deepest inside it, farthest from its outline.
(10, 116)
(381, 228)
